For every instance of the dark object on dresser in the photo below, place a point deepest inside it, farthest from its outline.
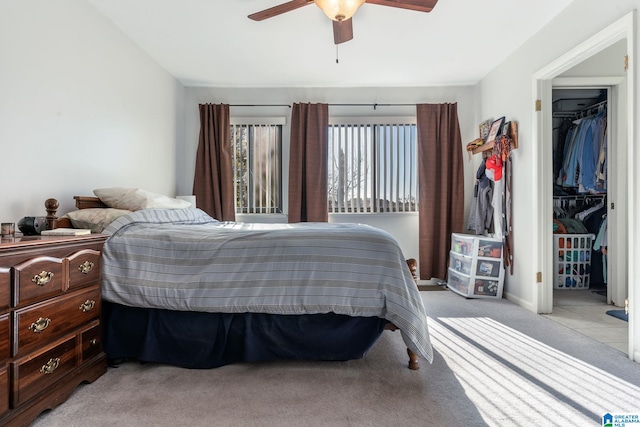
(50, 336)
(32, 225)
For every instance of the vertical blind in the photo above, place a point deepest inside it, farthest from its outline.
(372, 168)
(257, 154)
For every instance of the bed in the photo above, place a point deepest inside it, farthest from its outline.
(182, 288)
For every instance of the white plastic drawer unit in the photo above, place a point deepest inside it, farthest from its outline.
(489, 248)
(476, 268)
(486, 287)
(458, 282)
(462, 244)
(488, 268)
(460, 263)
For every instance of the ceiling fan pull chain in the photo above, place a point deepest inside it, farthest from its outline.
(337, 54)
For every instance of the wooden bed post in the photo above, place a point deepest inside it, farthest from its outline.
(413, 358)
(413, 267)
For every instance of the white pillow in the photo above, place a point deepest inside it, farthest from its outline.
(95, 219)
(135, 199)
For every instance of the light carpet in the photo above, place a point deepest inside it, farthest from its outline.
(495, 364)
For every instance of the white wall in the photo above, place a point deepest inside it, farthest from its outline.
(508, 90)
(403, 227)
(608, 62)
(81, 107)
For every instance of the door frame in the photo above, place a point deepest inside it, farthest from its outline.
(617, 262)
(543, 82)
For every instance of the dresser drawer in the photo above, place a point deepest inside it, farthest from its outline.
(5, 287)
(91, 342)
(38, 278)
(40, 323)
(84, 267)
(4, 389)
(35, 372)
(5, 337)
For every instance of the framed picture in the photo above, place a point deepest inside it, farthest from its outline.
(505, 129)
(484, 129)
(496, 128)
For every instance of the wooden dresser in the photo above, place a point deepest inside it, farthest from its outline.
(49, 321)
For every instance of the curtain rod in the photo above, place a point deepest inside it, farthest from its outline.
(375, 106)
(259, 105)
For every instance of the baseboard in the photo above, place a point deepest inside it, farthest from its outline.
(431, 288)
(519, 301)
(431, 284)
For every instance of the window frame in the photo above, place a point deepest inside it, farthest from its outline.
(260, 121)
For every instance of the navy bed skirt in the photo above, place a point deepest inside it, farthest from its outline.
(208, 340)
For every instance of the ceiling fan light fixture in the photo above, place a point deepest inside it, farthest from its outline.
(339, 10)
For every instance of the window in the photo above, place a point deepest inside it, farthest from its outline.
(372, 167)
(257, 166)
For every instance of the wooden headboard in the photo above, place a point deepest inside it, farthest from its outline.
(82, 202)
(86, 202)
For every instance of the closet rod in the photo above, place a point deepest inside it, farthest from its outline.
(579, 113)
(596, 105)
(579, 196)
(570, 99)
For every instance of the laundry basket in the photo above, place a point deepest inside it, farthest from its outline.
(572, 260)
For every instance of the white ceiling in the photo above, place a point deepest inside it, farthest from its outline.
(213, 43)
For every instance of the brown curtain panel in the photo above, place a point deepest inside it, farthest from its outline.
(441, 209)
(308, 201)
(213, 178)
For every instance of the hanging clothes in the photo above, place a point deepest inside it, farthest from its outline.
(600, 245)
(561, 135)
(593, 223)
(481, 213)
(584, 160)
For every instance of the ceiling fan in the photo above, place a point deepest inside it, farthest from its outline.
(341, 11)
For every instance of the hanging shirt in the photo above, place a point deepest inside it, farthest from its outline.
(481, 212)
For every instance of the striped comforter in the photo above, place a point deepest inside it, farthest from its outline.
(185, 260)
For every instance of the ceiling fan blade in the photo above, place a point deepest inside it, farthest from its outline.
(279, 9)
(417, 5)
(342, 31)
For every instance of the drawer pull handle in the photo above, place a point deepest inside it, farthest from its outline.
(42, 278)
(39, 325)
(87, 305)
(93, 342)
(50, 366)
(85, 267)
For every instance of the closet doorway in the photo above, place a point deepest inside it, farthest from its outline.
(580, 186)
(593, 198)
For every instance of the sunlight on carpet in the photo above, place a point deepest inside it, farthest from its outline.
(537, 384)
